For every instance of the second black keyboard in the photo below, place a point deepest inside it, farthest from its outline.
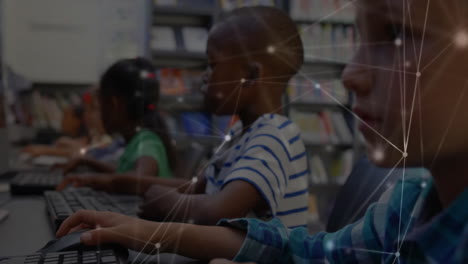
(35, 182)
(105, 256)
(61, 205)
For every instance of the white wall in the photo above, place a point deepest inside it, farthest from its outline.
(71, 41)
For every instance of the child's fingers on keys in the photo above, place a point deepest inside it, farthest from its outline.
(91, 218)
(70, 180)
(80, 227)
(102, 236)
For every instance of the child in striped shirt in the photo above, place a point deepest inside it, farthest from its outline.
(260, 170)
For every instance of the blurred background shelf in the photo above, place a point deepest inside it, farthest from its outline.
(179, 59)
(340, 22)
(317, 106)
(329, 147)
(183, 103)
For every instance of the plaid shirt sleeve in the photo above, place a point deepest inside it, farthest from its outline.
(272, 242)
(365, 241)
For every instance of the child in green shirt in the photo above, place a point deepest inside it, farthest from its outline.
(128, 94)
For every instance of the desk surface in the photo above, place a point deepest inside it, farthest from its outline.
(28, 228)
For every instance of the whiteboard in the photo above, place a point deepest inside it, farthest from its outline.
(70, 41)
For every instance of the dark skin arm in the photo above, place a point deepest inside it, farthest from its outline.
(91, 163)
(140, 235)
(236, 200)
(124, 183)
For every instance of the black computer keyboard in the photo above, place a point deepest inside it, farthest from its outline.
(62, 204)
(105, 256)
(35, 182)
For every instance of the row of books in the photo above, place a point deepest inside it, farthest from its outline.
(199, 125)
(184, 3)
(42, 110)
(326, 127)
(228, 5)
(176, 82)
(313, 10)
(303, 90)
(332, 169)
(192, 39)
(328, 41)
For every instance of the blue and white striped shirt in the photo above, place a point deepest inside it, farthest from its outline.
(271, 156)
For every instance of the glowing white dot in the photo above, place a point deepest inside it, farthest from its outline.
(461, 39)
(418, 74)
(329, 148)
(143, 74)
(408, 64)
(227, 138)
(378, 155)
(329, 245)
(180, 99)
(398, 42)
(242, 80)
(194, 180)
(83, 151)
(138, 94)
(157, 246)
(219, 95)
(405, 155)
(318, 86)
(271, 49)
(397, 254)
(423, 185)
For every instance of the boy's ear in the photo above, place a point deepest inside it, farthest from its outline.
(116, 102)
(254, 72)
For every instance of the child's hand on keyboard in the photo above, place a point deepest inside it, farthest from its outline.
(69, 166)
(98, 182)
(110, 228)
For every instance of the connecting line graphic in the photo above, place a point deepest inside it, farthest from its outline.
(416, 86)
(355, 116)
(175, 207)
(178, 203)
(377, 188)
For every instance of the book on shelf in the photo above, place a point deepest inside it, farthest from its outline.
(318, 172)
(228, 5)
(337, 10)
(171, 81)
(197, 124)
(165, 2)
(177, 82)
(341, 127)
(195, 39)
(330, 169)
(324, 41)
(326, 127)
(303, 90)
(163, 38)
